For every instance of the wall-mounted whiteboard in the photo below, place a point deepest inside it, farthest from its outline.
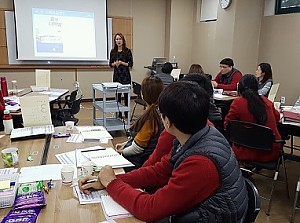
(209, 10)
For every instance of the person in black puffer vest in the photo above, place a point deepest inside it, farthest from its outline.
(199, 180)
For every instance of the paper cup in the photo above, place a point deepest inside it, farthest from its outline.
(67, 174)
(69, 125)
(10, 156)
(87, 168)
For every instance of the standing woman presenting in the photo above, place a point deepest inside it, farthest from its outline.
(121, 60)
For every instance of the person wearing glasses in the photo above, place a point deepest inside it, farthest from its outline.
(199, 180)
(228, 77)
(146, 129)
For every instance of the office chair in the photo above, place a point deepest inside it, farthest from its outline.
(68, 100)
(258, 137)
(273, 92)
(253, 202)
(68, 114)
(139, 100)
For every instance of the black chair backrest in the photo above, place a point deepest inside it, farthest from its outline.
(250, 135)
(137, 88)
(253, 202)
(76, 105)
(73, 95)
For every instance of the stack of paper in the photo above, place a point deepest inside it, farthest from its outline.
(22, 133)
(107, 157)
(112, 209)
(94, 133)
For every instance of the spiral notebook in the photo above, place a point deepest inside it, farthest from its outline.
(112, 209)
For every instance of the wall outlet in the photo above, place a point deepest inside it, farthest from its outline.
(282, 100)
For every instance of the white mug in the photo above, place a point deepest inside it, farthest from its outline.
(69, 125)
(67, 174)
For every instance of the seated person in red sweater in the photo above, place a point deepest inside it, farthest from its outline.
(228, 77)
(255, 108)
(200, 180)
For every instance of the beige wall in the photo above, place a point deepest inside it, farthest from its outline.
(169, 27)
(248, 18)
(279, 45)
(181, 32)
(229, 36)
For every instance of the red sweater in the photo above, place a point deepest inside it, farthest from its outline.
(193, 181)
(163, 147)
(232, 86)
(239, 111)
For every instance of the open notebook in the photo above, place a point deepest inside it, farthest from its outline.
(112, 209)
(108, 156)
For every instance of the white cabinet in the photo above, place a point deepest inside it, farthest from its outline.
(105, 101)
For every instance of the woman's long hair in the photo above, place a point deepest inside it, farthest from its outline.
(124, 47)
(248, 87)
(151, 88)
(266, 68)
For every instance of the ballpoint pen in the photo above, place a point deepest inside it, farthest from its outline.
(86, 182)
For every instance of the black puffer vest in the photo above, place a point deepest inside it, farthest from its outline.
(230, 201)
(226, 79)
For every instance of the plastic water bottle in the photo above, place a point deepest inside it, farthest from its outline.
(4, 87)
(174, 59)
(7, 122)
(14, 87)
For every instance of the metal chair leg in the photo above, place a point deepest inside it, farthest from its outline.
(286, 178)
(271, 195)
(295, 201)
(133, 111)
(292, 144)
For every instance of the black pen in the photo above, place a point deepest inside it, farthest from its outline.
(91, 150)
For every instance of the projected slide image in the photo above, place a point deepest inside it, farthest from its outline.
(60, 33)
(48, 37)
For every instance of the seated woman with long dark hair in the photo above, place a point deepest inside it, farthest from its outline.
(147, 128)
(251, 107)
(264, 77)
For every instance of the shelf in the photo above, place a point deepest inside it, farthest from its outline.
(110, 106)
(112, 124)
